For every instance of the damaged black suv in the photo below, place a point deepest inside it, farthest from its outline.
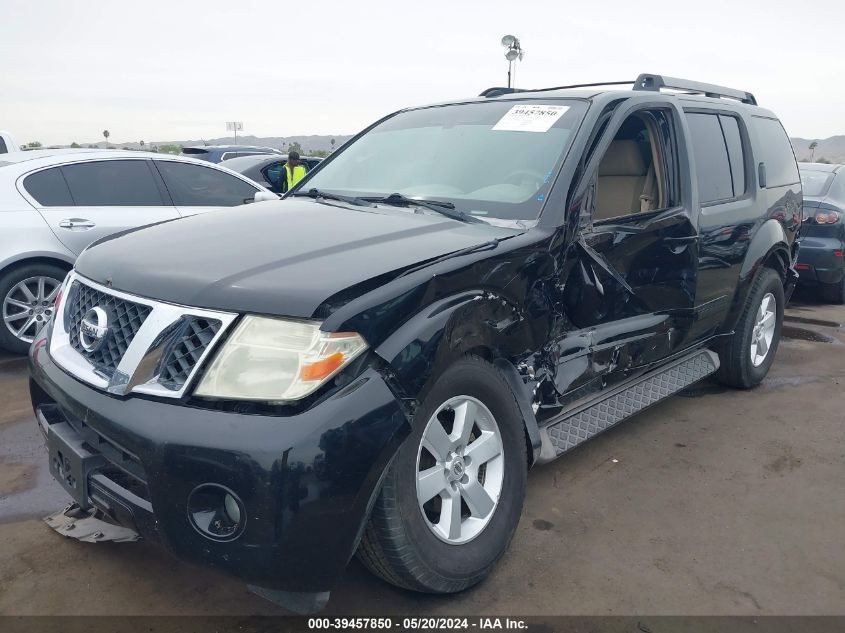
(374, 363)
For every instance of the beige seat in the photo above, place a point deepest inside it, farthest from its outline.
(621, 180)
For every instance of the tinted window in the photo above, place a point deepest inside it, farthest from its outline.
(733, 141)
(3, 148)
(49, 188)
(196, 186)
(112, 183)
(776, 153)
(711, 157)
(815, 183)
(273, 173)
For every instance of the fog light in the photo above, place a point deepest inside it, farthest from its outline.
(216, 512)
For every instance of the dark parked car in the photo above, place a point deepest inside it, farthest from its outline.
(268, 170)
(374, 363)
(821, 263)
(219, 153)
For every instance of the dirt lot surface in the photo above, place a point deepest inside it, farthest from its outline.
(714, 502)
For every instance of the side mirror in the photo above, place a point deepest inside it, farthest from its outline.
(264, 196)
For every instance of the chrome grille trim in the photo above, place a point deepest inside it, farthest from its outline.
(138, 368)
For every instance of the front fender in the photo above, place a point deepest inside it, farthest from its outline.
(475, 321)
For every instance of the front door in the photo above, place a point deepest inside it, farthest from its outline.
(631, 282)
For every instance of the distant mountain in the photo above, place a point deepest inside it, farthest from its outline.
(311, 143)
(831, 149)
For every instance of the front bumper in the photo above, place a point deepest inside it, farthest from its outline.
(306, 480)
(818, 263)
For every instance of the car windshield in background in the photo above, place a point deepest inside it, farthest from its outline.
(492, 159)
(815, 183)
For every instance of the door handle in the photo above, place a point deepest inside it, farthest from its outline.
(77, 224)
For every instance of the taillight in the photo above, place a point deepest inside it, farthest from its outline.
(826, 217)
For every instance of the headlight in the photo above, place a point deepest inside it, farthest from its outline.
(275, 359)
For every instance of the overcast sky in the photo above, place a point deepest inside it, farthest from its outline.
(178, 69)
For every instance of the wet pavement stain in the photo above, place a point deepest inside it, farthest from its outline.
(789, 331)
(542, 525)
(808, 321)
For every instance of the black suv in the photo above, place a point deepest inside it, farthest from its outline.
(374, 363)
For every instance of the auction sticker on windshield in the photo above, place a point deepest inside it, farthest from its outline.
(530, 118)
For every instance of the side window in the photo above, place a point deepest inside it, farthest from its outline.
(3, 148)
(112, 183)
(711, 158)
(273, 173)
(196, 186)
(776, 152)
(49, 188)
(632, 173)
(733, 141)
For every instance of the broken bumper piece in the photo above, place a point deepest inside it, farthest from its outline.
(85, 525)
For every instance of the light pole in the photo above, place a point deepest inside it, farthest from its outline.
(513, 52)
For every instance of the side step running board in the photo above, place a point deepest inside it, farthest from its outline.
(580, 424)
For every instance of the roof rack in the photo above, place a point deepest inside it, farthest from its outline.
(656, 82)
(643, 82)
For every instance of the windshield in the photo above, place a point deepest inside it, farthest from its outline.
(815, 183)
(492, 160)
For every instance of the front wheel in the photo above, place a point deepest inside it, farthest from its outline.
(451, 500)
(27, 294)
(749, 355)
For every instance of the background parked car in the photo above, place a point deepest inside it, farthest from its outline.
(268, 170)
(7, 143)
(821, 257)
(54, 203)
(219, 153)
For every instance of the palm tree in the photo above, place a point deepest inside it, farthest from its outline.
(141, 144)
(106, 135)
(813, 147)
(332, 142)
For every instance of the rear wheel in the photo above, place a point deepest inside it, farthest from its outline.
(834, 293)
(749, 355)
(452, 498)
(28, 294)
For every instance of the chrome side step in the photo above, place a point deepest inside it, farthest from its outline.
(580, 424)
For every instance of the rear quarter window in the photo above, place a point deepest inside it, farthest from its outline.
(48, 188)
(3, 148)
(775, 151)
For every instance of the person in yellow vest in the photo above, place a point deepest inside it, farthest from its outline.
(294, 171)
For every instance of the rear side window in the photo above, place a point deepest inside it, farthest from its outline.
(3, 148)
(195, 186)
(711, 158)
(112, 183)
(776, 153)
(49, 188)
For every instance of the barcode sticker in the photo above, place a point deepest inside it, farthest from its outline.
(530, 118)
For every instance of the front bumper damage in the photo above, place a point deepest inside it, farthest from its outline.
(306, 480)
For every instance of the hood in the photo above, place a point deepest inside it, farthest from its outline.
(281, 257)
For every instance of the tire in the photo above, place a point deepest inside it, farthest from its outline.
(14, 314)
(738, 368)
(400, 543)
(834, 293)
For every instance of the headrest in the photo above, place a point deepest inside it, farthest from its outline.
(623, 158)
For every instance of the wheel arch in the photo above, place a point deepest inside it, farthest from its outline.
(769, 248)
(478, 323)
(36, 258)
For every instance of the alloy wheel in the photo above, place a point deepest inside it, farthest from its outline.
(28, 306)
(460, 470)
(764, 329)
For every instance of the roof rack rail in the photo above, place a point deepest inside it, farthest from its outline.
(656, 82)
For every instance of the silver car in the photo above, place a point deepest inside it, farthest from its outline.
(54, 203)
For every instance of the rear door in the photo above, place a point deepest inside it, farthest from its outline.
(85, 201)
(197, 188)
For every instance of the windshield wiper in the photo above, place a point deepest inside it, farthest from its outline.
(444, 208)
(316, 193)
